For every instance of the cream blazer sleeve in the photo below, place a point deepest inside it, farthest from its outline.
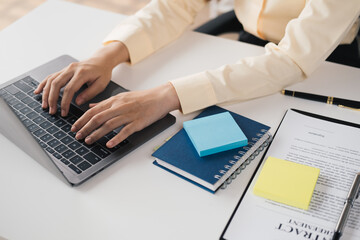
(157, 24)
(308, 41)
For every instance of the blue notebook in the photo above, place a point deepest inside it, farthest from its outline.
(179, 156)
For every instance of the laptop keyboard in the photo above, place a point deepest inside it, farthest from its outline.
(53, 131)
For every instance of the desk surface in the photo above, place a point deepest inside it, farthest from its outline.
(133, 199)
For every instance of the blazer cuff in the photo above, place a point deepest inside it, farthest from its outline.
(195, 92)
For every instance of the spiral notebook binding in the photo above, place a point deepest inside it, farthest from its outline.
(246, 162)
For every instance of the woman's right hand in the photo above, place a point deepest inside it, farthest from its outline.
(95, 72)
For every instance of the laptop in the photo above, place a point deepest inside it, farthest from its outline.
(48, 139)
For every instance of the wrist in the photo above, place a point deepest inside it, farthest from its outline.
(112, 54)
(170, 98)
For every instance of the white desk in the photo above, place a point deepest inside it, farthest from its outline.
(132, 199)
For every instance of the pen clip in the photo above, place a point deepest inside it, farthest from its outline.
(355, 109)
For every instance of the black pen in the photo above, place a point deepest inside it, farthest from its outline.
(350, 199)
(340, 102)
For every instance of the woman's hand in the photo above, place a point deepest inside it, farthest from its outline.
(95, 72)
(135, 110)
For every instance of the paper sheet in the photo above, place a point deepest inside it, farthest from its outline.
(335, 149)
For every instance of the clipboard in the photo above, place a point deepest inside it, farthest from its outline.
(333, 120)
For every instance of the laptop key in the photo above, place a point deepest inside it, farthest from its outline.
(32, 115)
(85, 144)
(21, 117)
(75, 169)
(39, 120)
(39, 132)
(68, 154)
(61, 148)
(73, 134)
(45, 113)
(32, 127)
(31, 93)
(84, 165)
(43, 145)
(63, 160)
(33, 104)
(33, 84)
(57, 155)
(26, 122)
(46, 137)
(75, 160)
(29, 80)
(23, 86)
(20, 95)
(100, 151)
(45, 125)
(92, 158)
(27, 100)
(53, 118)
(115, 148)
(52, 129)
(74, 145)
(2, 92)
(66, 128)
(59, 135)
(72, 120)
(111, 135)
(81, 151)
(39, 109)
(13, 102)
(38, 97)
(53, 143)
(66, 140)
(102, 141)
(60, 123)
(25, 110)
(12, 89)
(7, 97)
(50, 150)
(19, 105)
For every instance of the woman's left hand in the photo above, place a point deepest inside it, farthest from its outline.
(135, 110)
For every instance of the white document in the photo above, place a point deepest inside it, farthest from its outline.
(331, 147)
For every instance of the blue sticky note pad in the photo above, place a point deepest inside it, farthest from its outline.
(215, 133)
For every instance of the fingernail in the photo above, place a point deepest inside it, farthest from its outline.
(110, 144)
(73, 128)
(44, 105)
(50, 110)
(78, 135)
(63, 113)
(88, 140)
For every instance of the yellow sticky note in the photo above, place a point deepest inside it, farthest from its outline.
(287, 182)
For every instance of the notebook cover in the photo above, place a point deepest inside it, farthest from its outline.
(181, 176)
(179, 151)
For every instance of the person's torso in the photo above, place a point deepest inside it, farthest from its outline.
(267, 19)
